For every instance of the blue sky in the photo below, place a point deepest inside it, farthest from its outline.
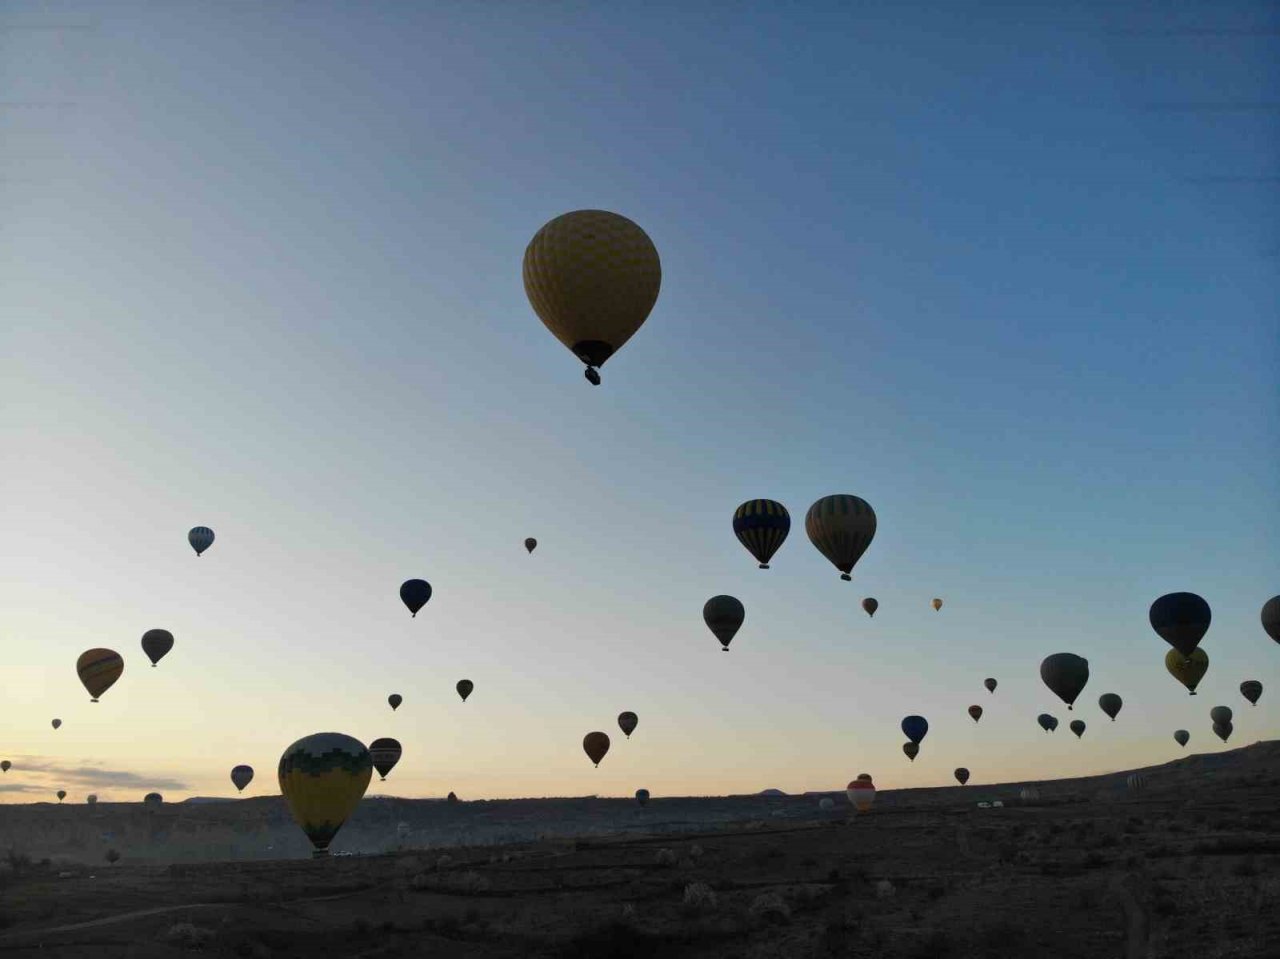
(261, 272)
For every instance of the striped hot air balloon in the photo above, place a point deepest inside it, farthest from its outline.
(862, 794)
(841, 527)
(200, 538)
(1136, 782)
(98, 670)
(761, 525)
(385, 753)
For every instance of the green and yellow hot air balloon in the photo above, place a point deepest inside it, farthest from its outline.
(323, 778)
(1188, 670)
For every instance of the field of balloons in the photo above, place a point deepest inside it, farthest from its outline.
(593, 277)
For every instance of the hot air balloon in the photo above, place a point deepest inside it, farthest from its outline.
(464, 688)
(870, 605)
(841, 527)
(1182, 737)
(1029, 794)
(1251, 690)
(91, 799)
(962, 775)
(1181, 620)
(1110, 704)
(642, 797)
(56, 723)
(1187, 670)
(530, 544)
(384, 754)
(937, 604)
(592, 277)
(1271, 617)
(5, 766)
(1223, 730)
(156, 643)
(1053, 724)
(761, 525)
(200, 538)
(724, 616)
(61, 794)
(1065, 674)
(394, 700)
(1136, 782)
(153, 800)
(451, 798)
(414, 593)
(975, 713)
(990, 684)
(915, 728)
(1077, 727)
(911, 750)
(1220, 715)
(595, 745)
(627, 722)
(323, 778)
(98, 670)
(862, 794)
(1046, 722)
(241, 776)
(826, 804)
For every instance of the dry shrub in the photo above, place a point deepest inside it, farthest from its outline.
(885, 889)
(771, 908)
(665, 857)
(695, 851)
(188, 935)
(700, 897)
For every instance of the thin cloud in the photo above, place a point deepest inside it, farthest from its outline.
(90, 773)
(21, 788)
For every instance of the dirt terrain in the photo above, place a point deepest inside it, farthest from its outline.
(1185, 867)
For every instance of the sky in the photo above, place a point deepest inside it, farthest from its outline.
(1007, 272)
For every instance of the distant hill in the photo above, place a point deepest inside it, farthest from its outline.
(195, 800)
(773, 793)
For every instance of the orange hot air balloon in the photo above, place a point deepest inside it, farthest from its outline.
(595, 745)
(861, 793)
(937, 604)
(98, 670)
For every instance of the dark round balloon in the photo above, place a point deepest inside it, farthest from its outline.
(1077, 727)
(1182, 737)
(911, 750)
(761, 525)
(1223, 730)
(395, 699)
(990, 684)
(595, 745)
(1065, 674)
(724, 616)
(385, 753)
(915, 728)
(1251, 690)
(627, 722)
(414, 593)
(1220, 715)
(642, 797)
(1181, 620)
(1271, 617)
(530, 544)
(962, 775)
(155, 643)
(1046, 722)
(870, 605)
(464, 688)
(975, 712)
(1110, 704)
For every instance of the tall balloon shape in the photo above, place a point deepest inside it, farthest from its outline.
(627, 722)
(990, 684)
(595, 745)
(1065, 674)
(394, 701)
(323, 777)
(1077, 727)
(870, 605)
(724, 616)
(241, 776)
(1181, 620)
(915, 728)
(414, 593)
(464, 688)
(98, 670)
(156, 643)
(1181, 736)
(761, 525)
(1251, 690)
(1188, 670)
(1110, 704)
(200, 538)
(841, 527)
(384, 753)
(530, 544)
(962, 775)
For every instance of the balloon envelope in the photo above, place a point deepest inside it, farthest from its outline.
(841, 527)
(1220, 714)
(200, 538)
(642, 797)
(1065, 674)
(1181, 736)
(414, 593)
(56, 723)
(1077, 727)
(915, 728)
(91, 798)
(98, 670)
(5, 766)
(1181, 620)
(975, 712)
(990, 684)
(156, 643)
(464, 688)
(384, 753)
(861, 793)
(1223, 730)
(937, 604)
(395, 699)
(61, 794)
(1188, 670)
(724, 616)
(530, 544)
(1271, 617)
(592, 277)
(870, 605)
(1110, 704)
(627, 722)
(911, 750)
(152, 799)
(241, 776)
(761, 525)
(962, 775)
(323, 778)
(595, 745)
(1046, 722)
(1251, 690)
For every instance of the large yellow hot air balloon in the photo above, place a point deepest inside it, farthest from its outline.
(592, 277)
(1188, 670)
(98, 670)
(323, 778)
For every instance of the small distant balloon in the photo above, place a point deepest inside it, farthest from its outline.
(1188, 670)
(962, 775)
(1065, 674)
(627, 722)
(530, 544)
(414, 593)
(394, 700)
(464, 687)
(384, 753)
(1046, 722)
(826, 804)
(1223, 730)
(841, 527)
(156, 643)
(937, 604)
(595, 745)
(911, 750)
(870, 605)
(61, 794)
(5, 766)
(862, 794)
(975, 712)
(724, 616)
(1251, 690)
(241, 776)
(91, 799)
(761, 525)
(1271, 617)
(1220, 715)
(1077, 727)
(98, 670)
(1181, 736)
(1181, 620)
(1136, 782)
(990, 684)
(642, 797)
(56, 723)
(1110, 704)
(200, 538)
(915, 728)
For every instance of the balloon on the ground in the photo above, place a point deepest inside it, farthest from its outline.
(975, 712)
(627, 722)
(530, 544)
(414, 593)
(384, 753)
(1271, 617)
(1077, 727)
(153, 800)
(861, 793)
(91, 798)
(98, 670)
(962, 775)
(937, 604)
(724, 616)
(241, 776)
(761, 525)
(1188, 670)
(870, 605)
(200, 538)
(394, 700)
(1251, 690)
(323, 778)
(911, 750)
(464, 688)
(1181, 620)
(156, 643)
(990, 684)
(915, 728)
(1220, 714)
(841, 527)
(1065, 674)
(1110, 704)
(1223, 730)
(1181, 736)
(592, 277)
(595, 745)
(642, 797)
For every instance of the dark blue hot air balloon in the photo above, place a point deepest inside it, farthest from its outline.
(414, 593)
(915, 728)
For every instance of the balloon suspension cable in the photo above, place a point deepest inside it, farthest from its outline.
(592, 375)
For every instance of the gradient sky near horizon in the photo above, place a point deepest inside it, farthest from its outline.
(1008, 272)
